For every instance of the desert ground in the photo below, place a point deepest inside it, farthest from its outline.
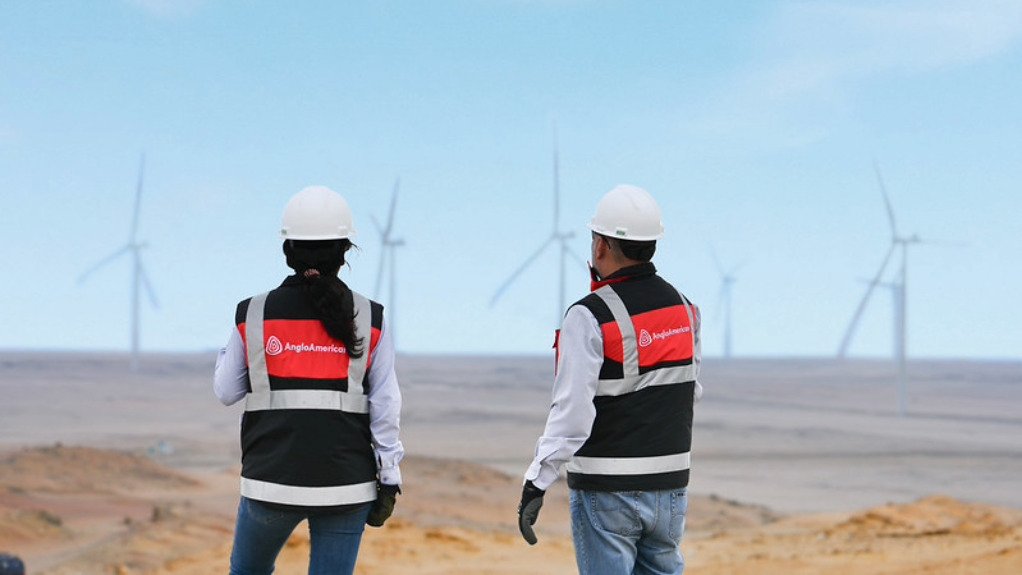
(799, 466)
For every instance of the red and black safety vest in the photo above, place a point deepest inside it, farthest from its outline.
(642, 434)
(305, 435)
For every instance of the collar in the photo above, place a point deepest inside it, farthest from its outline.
(292, 280)
(644, 269)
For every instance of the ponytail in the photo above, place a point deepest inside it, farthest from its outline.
(317, 263)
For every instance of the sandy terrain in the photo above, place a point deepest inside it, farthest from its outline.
(799, 467)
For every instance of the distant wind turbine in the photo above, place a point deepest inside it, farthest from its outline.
(898, 287)
(387, 255)
(139, 278)
(556, 237)
(727, 281)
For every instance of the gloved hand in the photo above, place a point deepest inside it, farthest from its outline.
(528, 510)
(383, 507)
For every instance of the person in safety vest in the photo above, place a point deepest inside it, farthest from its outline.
(315, 364)
(621, 417)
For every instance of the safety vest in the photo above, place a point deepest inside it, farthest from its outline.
(642, 434)
(305, 434)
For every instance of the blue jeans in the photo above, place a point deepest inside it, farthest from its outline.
(262, 530)
(628, 532)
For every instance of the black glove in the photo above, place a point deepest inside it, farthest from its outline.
(386, 497)
(528, 510)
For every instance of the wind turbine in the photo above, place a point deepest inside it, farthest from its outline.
(727, 281)
(387, 255)
(898, 288)
(557, 236)
(139, 278)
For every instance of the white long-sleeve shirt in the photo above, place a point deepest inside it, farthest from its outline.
(230, 384)
(572, 411)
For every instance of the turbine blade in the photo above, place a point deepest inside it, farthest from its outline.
(102, 262)
(507, 283)
(393, 206)
(943, 243)
(138, 200)
(379, 228)
(577, 258)
(379, 272)
(716, 261)
(147, 285)
(847, 340)
(887, 200)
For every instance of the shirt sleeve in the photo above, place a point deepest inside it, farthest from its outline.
(230, 376)
(572, 411)
(697, 352)
(385, 410)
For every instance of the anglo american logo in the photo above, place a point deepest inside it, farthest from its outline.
(275, 347)
(304, 347)
(646, 339)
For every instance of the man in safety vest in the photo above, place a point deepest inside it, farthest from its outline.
(621, 417)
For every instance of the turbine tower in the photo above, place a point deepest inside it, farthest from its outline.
(387, 256)
(727, 281)
(139, 278)
(557, 236)
(897, 285)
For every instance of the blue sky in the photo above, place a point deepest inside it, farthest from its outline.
(755, 124)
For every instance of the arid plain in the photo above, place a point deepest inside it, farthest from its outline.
(799, 466)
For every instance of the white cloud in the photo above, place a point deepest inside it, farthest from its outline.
(848, 41)
(812, 56)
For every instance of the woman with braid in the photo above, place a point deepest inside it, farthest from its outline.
(315, 365)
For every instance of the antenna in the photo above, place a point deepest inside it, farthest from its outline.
(388, 256)
(557, 236)
(139, 278)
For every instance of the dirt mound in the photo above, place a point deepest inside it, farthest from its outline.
(715, 514)
(936, 515)
(63, 469)
(17, 526)
(447, 492)
(453, 493)
(164, 544)
(454, 471)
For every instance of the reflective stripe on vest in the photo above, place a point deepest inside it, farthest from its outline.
(632, 380)
(629, 465)
(263, 398)
(308, 496)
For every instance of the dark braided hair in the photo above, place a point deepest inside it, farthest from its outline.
(317, 262)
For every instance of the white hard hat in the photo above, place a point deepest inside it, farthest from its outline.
(317, 213)
(628, 213)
